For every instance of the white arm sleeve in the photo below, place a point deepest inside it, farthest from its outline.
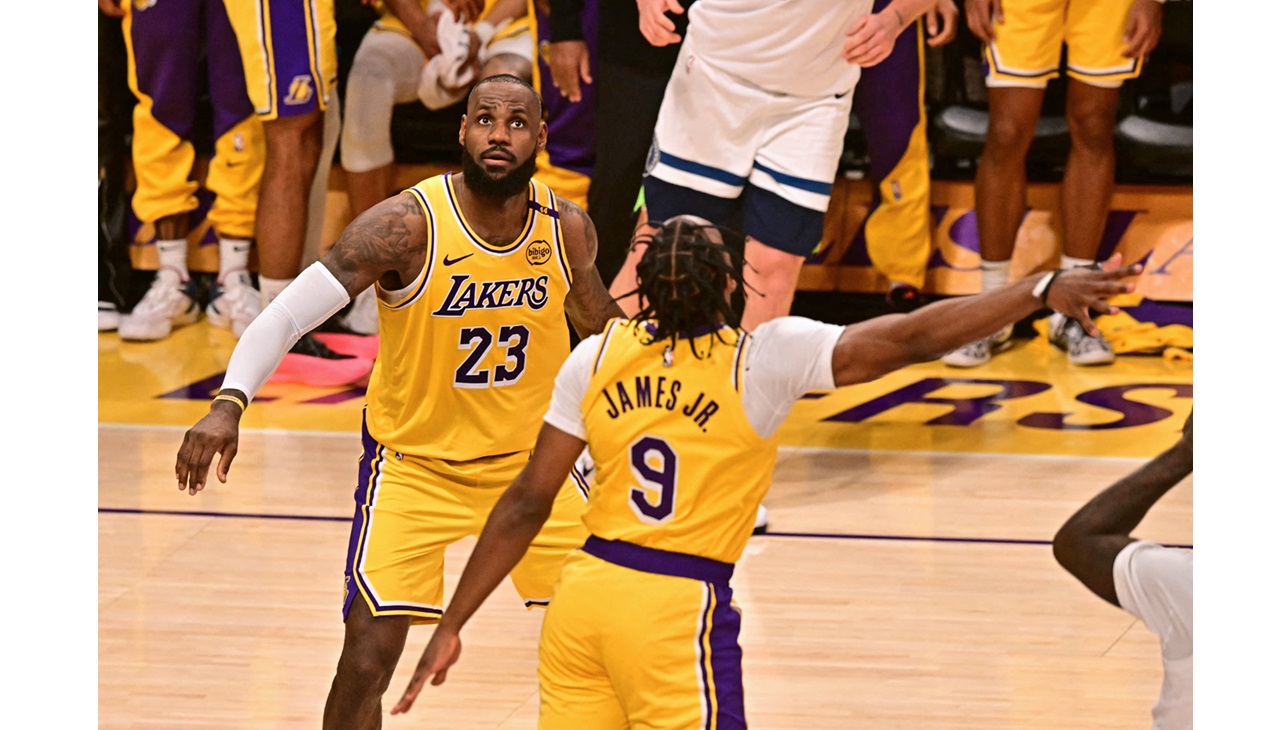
(305, 304)
(1153, 583)
(565, 412)
(786, 358)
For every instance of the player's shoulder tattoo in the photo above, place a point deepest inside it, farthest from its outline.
(387, 236)
(580, 232)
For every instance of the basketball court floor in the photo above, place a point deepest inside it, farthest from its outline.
(907, 580)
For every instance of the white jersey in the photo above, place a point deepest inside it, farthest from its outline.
(791, 356)
(784, 46)
(1153, 582)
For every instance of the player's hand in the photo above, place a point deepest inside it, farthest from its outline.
(425, 34)
(949, 14)
(1076, 292)
(217, 433)
(982, 16)
(870, 39)
(441, 653)
(465, 10)
(111, 7)
(1142, 28)
(657, 28)
(570, 61)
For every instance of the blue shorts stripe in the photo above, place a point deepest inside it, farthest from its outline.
(697, 168)
(816, 187)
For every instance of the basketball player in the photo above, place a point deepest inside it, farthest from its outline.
(389, 68)
(1106, 43)
(1150, 581)
(753, 122)
(169, 45)
(475, 272)
(680, 408)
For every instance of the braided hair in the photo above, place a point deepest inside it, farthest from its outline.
(683, 278)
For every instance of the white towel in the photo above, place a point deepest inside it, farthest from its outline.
(446, 78)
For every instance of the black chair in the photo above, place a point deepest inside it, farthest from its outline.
(1153, 137)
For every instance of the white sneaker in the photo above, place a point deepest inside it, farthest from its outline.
(233, 306)
(762, 521)
(979, 353)
(363, 317)
(108, 316)
(1068, 335)
(167, 304)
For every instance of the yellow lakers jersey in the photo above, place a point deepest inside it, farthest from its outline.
(678, 465)
(468, 353)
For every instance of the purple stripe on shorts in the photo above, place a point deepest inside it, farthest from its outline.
(370, 468)
(661, 562)
(726, 662)
(702, 657)
(297, 88)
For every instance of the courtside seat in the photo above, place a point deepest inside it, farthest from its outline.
(1155, 148)
(1153, 137)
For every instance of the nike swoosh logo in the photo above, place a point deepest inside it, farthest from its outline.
(450, 262)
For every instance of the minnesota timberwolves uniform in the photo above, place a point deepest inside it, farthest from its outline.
(643, 631)
(465, 369)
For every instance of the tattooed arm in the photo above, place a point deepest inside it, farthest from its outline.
(387, 243)
(589, 305)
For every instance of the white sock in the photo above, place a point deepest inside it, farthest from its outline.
(173, 260)
(271, 288)
(1071, 262)
(233, 261)
(995, 274)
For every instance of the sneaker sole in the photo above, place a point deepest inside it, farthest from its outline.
(996, 349)
(180, 321)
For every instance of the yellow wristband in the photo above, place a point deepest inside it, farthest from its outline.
(232, 399)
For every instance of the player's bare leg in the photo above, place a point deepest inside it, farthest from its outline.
(1089, 177)
(1000, 185)
(293, 156)
(771, 276)
(370, 650)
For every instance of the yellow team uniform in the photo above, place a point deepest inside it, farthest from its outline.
(642, 631)
(467, 358)
(290, 61)
(1027, 48)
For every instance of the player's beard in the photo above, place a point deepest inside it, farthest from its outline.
(515, 182)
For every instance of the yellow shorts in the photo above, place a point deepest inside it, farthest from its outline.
(290, 62)
(570, 185)
(409, 509)
(1027, 49)
(626, 647)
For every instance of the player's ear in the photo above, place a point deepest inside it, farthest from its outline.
(542, 136)
(462, 131)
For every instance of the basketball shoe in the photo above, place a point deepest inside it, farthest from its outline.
(169, 303)
(1068, 335)
(311, 362)
(233, 304)
(979, 352)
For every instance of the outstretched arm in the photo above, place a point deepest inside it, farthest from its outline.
(1087, 544)
(386, 242)
(868, 350)
(589, 304)
(515, 520)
